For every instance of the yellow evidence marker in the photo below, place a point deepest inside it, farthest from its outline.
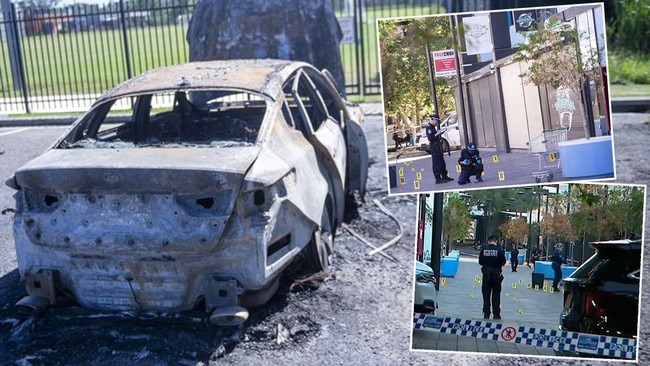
(502, 176)
(495, 158)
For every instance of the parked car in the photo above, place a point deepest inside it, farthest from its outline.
(190, 186)
(602, 295)
(450, 139)
(425, 297)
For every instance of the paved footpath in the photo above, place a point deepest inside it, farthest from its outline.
(414, 174)
(460, 297)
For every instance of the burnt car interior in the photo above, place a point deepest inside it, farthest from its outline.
(213, 117)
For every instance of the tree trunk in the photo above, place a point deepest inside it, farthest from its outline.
(300, 30)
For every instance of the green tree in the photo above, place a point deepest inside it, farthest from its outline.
(405, 74)
(554, 59)
(456, 219)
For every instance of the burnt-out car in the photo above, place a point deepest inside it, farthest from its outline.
(188, 187)
(602, 295)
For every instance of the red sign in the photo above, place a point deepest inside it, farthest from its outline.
(444, 63)
(508, 334)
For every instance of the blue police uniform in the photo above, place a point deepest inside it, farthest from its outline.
(557, 262)
(435, 147)
(491, 258)
(471, 163)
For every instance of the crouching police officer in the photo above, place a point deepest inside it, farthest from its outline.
(470, 163)
(491, 258)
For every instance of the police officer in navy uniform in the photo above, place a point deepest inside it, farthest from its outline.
(471, 163)
(435, 146)
(557, 262)
(491, 258)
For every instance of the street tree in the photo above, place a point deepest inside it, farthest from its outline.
(515, 229)
(405, 74)
(554, 59)
(456, 220)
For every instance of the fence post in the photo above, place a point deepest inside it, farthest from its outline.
(358, 14)
(127, 53)
(12, 39)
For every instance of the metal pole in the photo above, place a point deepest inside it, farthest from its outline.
(127, 53)
(459, 79)
(436, 238)
(9, 16)
(432, 76)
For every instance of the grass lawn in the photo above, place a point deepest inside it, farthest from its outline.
(630, 90)
(92, 62)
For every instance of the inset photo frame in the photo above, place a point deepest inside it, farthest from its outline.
(496, 98)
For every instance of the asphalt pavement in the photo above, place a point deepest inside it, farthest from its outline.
(521, 305)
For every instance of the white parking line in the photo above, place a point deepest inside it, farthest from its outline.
(14, 131)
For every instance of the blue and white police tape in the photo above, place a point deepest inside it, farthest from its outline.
(557, 339)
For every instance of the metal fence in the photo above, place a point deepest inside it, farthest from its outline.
(62, 59)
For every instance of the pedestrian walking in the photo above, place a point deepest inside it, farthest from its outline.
(435, 147)
(558, 261)
(514, 257)
(471, 164)
(492, 259)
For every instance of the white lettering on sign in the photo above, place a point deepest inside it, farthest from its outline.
(348, 29)
(444, 63)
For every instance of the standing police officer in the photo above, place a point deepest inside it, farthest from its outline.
(557, 262)
(435, 147)
(491, 258)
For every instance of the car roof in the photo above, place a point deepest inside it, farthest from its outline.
(262, 76)
(624, 244)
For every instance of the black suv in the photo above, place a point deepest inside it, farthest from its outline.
(602, 295)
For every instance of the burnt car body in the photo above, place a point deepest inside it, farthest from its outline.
(190, 186)
(602, 295)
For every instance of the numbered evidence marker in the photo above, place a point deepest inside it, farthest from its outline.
(502, 176)
(401, 171)
(521, 311)
(552, 290)
(514, 285)
(536, 287)
(457, 168)
(418, 175)
(521, 282)
(402, 181)
(551, 157)
(416, 184)
(495, 158)
(444, 281)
